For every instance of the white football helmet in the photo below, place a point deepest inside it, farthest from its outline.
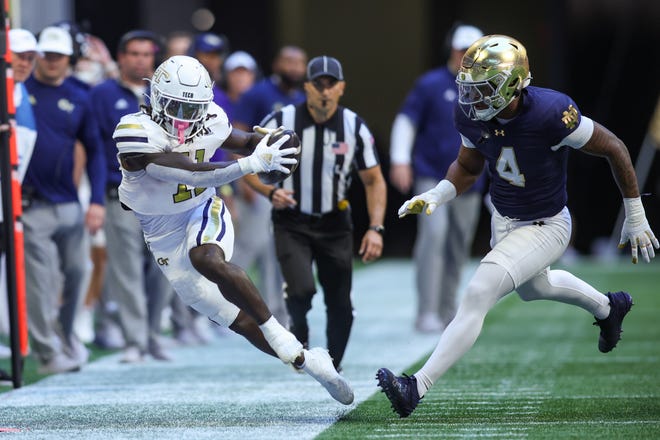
(493, 72)
(181, 91)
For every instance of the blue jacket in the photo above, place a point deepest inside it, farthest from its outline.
(63, 115)
(110, 101)
(430, 105)
(261, 100)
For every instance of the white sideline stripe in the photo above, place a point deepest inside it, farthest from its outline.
(240, 392)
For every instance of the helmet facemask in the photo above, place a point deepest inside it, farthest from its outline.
(181, 120)
(493, 72)
(181, 92)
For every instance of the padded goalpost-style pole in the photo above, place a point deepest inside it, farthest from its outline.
(12, 230)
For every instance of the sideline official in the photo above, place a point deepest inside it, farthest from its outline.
(311, 216)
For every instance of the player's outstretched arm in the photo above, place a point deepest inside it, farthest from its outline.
(176, 167)
(242, 142)
(636, 229)
(462, 174)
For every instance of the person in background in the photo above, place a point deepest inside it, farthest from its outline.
(133, 276)
(23, 46)
(424, 143)
(211, 50)
(55, 249)
(95, 63)
(311, 216)
(252, 225)
(523, 134)
(254, 236)
(24, 54)
(92, 64)
(240, 73)
(282, 87)
(177, 43)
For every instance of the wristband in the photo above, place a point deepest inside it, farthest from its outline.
(633, 207)
(272, 193)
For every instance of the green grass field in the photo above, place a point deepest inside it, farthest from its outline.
(536, 373)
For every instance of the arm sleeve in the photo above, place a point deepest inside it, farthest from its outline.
(97, 170)
(401, 139)
(198, 179)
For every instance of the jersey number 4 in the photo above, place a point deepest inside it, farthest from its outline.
(507, 167)
(183, 192)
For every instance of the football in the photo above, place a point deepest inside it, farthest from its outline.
(293, 142)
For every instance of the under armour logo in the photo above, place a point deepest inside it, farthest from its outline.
(163, 261)
(499, 132)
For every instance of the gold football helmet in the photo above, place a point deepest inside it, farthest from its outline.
(493, 72)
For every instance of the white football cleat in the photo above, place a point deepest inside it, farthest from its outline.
(318, 364)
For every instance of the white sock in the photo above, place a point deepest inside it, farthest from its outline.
(423, 383)
(271, 328)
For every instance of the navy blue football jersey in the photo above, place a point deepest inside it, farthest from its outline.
(526, 156)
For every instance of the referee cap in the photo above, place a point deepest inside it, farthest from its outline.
(324, 66)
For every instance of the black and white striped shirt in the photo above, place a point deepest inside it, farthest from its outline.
(329, 153)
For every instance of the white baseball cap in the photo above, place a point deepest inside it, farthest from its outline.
(464, 36)
(21, 40)
(240, 59)
(55, 39)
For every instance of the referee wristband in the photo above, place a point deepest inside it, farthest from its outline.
(272, 193)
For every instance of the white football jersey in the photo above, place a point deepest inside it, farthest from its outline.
(138, 133)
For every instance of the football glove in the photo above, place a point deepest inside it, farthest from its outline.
(429, 200)
(267, 158)
(636, 229)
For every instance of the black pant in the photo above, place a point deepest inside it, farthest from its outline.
(327, 240)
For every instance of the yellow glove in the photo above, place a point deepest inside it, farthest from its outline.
(429, 200)
(416, 206)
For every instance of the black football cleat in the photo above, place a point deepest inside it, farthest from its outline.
(400, 390)
(610, 327)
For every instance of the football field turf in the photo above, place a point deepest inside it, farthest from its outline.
(535, 372)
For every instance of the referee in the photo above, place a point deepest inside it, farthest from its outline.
(311, 216)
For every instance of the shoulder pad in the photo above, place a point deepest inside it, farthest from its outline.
(136, 132)
(219, 118)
